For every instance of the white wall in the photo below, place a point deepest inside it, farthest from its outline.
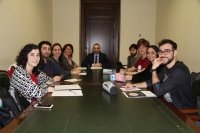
(66, 24)
(30, 21)
(137, 17)
(22, 22)
(179, 20)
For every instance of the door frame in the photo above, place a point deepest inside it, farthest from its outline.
(116, 30)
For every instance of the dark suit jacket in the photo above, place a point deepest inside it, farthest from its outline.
(103, 59)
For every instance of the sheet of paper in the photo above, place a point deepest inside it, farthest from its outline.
(72, 80)
(96, 67)
(67, 87)
(131, 89)
(82, 74)
(149, 93)
(82, 68)
(68, 93)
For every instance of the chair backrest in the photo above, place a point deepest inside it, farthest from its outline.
(196, 93)
(4, 79)
(196, 89)
(119, 66)
(128, 61)
(198, 104)
(11, 70)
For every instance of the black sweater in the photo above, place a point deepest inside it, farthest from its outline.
(177, 83)
(145, 75)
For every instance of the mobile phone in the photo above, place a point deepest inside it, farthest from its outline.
(44, 106)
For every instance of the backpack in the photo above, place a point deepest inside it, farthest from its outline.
(9, 109)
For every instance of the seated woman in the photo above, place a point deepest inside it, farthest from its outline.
(56, 55)
(68, 63)
(146, 74)
(27, 78)
(58, 58)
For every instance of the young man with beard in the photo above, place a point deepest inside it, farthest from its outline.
(174, 79)
(143, 62)
(133, 57)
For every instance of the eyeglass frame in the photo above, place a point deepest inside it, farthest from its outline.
(166, 52)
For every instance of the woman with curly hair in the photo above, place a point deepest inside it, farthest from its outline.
(27, 78)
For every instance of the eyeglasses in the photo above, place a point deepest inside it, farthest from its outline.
(167, 51)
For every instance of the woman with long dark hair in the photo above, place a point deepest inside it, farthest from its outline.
(60, 57)
(27, 78)
(56, 55)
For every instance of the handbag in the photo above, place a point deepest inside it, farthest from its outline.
(120, 77)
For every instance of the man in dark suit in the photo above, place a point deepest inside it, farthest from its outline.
(96, 59)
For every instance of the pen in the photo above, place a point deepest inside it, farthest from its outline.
(72, 91)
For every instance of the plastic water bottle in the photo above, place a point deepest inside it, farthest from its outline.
(113, 76)
(139, 68)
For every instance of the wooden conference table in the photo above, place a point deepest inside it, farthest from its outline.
(99, 112)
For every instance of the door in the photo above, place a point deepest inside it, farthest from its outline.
(101, 32)
(100, 24)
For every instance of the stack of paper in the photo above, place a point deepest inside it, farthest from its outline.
(67, 87)
(67, 90)
(68, 93)
(73, 80)
(81, 73)
(130, 89)
(96, 67)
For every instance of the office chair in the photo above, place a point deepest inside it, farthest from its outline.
(120, 66)
(11, 69)
(4, 79)
(194, 114)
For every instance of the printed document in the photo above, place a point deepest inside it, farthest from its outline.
(68, 93)
(67, 87)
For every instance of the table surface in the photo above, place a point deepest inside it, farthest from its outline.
(98, 111)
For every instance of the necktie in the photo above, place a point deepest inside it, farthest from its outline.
(95, 59)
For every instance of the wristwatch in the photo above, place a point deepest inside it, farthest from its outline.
(152, 70)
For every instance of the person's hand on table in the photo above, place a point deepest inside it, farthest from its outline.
(97, 65)
(57, 78)
(129, 77)
(75, 71)
(128, 86)
(122, 71)
(50, 89)
(75, 65)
